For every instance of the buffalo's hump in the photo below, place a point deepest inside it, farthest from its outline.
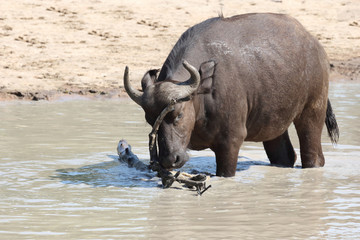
(244, 40)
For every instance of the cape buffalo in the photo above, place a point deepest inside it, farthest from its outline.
(246, 78)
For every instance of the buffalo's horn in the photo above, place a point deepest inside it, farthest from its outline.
(190, 86)
(134, 94)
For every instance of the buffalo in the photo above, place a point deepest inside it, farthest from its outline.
(236, 79)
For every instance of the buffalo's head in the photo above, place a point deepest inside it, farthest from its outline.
(175, 130)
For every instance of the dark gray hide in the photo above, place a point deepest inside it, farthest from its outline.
(259, 73)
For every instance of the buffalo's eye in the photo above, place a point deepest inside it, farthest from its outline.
(178, 117)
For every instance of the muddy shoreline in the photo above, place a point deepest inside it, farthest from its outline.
(347, 72)
(51, 95)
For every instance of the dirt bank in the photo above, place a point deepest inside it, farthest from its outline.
(55, 47)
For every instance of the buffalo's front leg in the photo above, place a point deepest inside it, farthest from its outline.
(226, 157)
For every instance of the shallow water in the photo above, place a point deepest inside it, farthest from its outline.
(59, 179)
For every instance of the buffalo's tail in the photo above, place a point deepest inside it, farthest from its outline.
(331, 124)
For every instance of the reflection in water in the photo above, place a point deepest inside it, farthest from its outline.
(59, 179)
(118, 174)
(106, 174)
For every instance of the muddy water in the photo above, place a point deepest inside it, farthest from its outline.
(59, 179)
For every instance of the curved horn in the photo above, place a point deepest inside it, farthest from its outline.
(187, 88)
(134, 94)
(194, 81)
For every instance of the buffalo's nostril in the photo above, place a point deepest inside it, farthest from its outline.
(177, 161)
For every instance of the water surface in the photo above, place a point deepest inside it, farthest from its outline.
(59, 179)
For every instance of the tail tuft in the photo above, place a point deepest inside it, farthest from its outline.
(331, 124)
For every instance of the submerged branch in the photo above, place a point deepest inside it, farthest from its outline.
(167, 177)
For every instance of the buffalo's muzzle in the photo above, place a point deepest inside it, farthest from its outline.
(174, 161)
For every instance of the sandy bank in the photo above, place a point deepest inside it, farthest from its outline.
(55, 47)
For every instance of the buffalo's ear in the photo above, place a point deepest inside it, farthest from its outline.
(149, 78)
(207, 70)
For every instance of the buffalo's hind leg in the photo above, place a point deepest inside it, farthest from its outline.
(309, 127)
(280, 151)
